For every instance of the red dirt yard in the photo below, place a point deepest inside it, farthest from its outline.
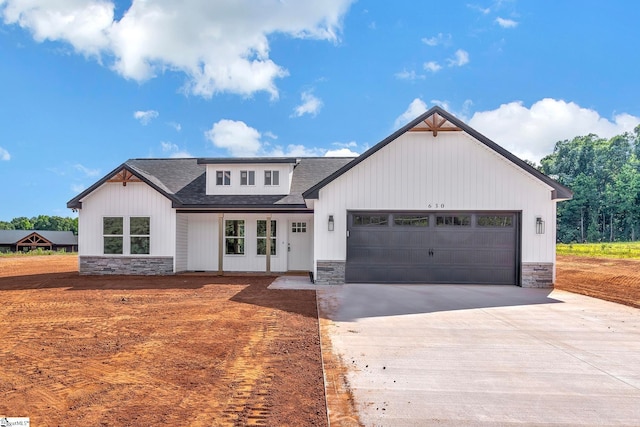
(616, 280)
(188, 349)
(177, 350)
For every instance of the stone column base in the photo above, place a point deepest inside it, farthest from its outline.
(537, 275)
(330, 273)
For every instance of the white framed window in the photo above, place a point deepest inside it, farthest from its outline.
(136, 229)
(139, 235)
(247, 177)
(234, 237)
(223, 177)
(298, 227)
(271, 178)
(262, 237)
(113, 235)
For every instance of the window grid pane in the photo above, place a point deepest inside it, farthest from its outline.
(261, 242)
(298, 227)
(112, 226)
(234, 237)
(113, 245)
(140, 245)
(139, 226)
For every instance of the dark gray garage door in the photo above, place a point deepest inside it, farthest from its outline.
(432, 247)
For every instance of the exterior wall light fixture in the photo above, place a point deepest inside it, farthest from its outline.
(539, 225)
(331, 223)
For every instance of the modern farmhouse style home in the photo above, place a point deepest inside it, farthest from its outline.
(435, 202)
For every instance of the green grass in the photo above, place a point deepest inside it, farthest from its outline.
(36, 252)
(601, 250)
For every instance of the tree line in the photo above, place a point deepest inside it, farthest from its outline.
(604, 175)
(41, 222)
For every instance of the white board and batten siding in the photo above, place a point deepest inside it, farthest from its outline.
(450, 172)
(203, 238)
(285, 174)
(182, 243)
(134, 199)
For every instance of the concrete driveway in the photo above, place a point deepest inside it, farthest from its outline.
(452, 355)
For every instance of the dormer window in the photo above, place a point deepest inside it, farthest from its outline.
(271, 178)
(247, 177)
(223, 177)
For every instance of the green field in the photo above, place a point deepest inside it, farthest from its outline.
(601, 250)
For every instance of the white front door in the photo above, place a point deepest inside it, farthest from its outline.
(300, 249)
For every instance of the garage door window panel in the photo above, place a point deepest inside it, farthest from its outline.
(370, 220)
(411, 220)
(501, 221)
(453, 220)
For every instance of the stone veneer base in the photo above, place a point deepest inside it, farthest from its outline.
(534, 275)
(330, 273)
(141, 266)
(537, 275)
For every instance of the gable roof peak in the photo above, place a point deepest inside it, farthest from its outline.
(435, 120)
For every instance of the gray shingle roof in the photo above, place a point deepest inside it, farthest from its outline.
(183, 181)
(62, 238)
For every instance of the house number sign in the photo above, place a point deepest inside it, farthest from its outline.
(435, 205)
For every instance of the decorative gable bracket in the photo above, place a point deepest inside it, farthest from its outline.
(435, 123)
(124, 176)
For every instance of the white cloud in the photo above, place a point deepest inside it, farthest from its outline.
(176, 126)
(87, 171)
(310, 105)
(77, 188)
(173, 151)
(4, 155)
(341, 152)
(85, 24)
(145, 117)
(409, 75)
(482, 10)
(531, 133)
(416, 108)
(236, 137)
(506, 23)
(295, 150)
(440, 39)
(461, 57)
(241, 140)
(432, 66)
(220, 46)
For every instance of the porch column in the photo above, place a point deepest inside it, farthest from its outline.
(268, 268)
(220, 242)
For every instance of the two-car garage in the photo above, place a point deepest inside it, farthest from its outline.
(433, 247)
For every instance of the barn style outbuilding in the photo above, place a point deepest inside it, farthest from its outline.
(435, 202)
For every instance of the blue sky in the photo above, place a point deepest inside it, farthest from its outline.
(88, 84)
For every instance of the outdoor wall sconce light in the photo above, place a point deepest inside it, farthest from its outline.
(539, 225)
(331, 224)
